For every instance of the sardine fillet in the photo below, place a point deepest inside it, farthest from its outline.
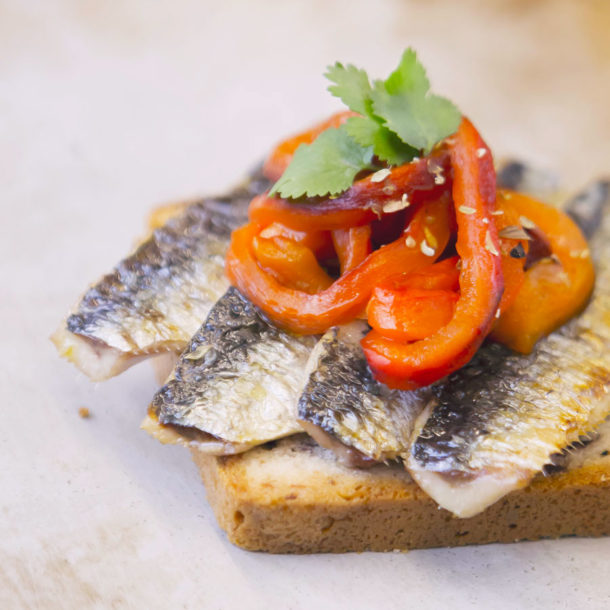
(344, 408)
(238, 381)
(156, 298)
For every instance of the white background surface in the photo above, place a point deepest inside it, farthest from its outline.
(107, 108)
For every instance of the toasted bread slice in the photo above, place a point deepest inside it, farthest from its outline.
(292, 496)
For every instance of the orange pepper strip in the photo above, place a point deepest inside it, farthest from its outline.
(346, 298)
(420, 363)
(292, 263)
(554, 289)
(363, 202)
(352, 246)
(282, 154)
(510, 250)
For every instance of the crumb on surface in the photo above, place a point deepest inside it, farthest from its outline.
(84, 413)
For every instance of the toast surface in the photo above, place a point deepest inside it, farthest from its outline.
(292, 496)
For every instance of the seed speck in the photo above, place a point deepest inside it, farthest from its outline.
(395, 206)
(489, 244)
(426, 249)
(526, 223)
(381, 175)
(466, 209)
(430, 239)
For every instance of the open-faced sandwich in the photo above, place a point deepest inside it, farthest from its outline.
(375, 343)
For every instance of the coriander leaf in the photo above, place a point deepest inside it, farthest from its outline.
(352, 86)
(390, 148)
(418, 119)
(362, 129)
(410, 75)
(327, 166)
(387, 146)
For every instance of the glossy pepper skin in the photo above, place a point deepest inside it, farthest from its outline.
(412, 306)
(420, 363)
(554, 288)
(352, 246)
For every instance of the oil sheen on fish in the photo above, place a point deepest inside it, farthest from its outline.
(156, 298)
(237, 382)
(345, 409)
(494, 424)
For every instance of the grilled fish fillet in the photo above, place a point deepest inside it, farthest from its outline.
(495, 423)
(345, 409)
(237, 382)
(156, 298)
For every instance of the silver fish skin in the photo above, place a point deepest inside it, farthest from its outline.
(345, 409)
(495, 424)
(155, 299)
(238, 380)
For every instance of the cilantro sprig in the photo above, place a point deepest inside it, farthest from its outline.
(399, 119)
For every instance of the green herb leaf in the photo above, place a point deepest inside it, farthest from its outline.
(327, 166)
(410, 75)
(352, 86)
(409, 110)
(362, 129)
(387, 146)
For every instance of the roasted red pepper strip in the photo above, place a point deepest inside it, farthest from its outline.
(410, 314)
(363, 202)
(412, 365)
(439, 276)
(352, 246)
(411, 306)
(282, 154)
(347, 297)
(554, 289)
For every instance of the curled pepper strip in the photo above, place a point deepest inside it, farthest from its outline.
(346, 298)
(319, 242)
(352, 246)
(282, 154)
(513, 250)
(420, 363)
(554, 288)
(411, 306)
(294, 264)
(365, 201)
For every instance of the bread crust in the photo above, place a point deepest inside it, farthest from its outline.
(293, 497)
